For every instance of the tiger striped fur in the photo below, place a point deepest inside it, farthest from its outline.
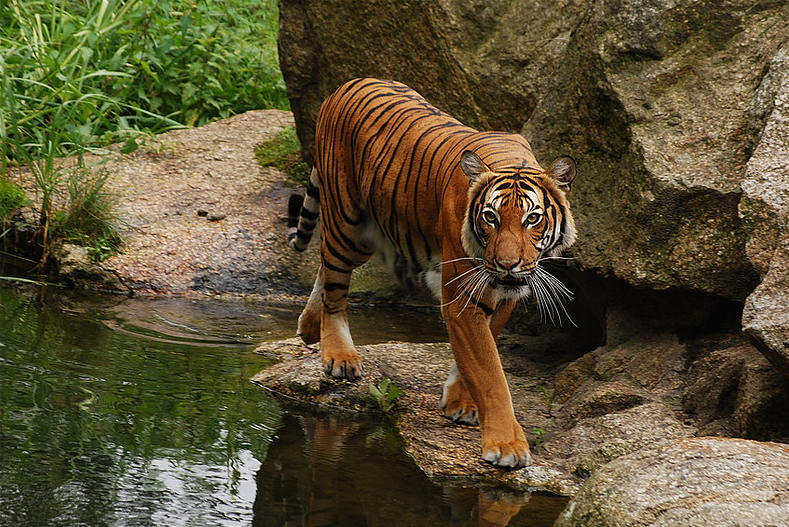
(470, 215)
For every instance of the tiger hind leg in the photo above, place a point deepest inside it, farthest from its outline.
(456, 402)
(309, 328)
(340, 255)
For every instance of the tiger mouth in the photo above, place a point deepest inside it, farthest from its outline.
(511, 282)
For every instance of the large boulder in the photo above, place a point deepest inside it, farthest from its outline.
(709, 482)
(765, 212)
(674, 110)
(486, 63)
(653, 98)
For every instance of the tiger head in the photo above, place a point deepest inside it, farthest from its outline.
(517, 217)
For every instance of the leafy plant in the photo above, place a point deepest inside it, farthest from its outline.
(539, 435)
(102, 248)
(117, 67)
(386, 394)
(284, 153)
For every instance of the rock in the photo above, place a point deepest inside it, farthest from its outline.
(654, 99)
(765, 213)
(709, 482)
(733, 391)
(617, 400)
(75, 267)
(439, 447)
(477, 60)
(595, 441)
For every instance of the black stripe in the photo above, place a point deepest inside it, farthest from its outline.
(334, 286)
(313, 192)
(294, 206)
(485, 308)
(310, 215)
(334, 252)
(336, 269)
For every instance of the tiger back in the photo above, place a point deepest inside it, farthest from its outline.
(469, 215)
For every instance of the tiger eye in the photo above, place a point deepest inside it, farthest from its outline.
(533, 218)
(490, 217)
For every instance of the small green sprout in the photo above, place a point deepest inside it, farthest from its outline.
(539, 435)
(386, 394)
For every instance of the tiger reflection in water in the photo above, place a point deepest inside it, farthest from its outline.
(325, 471)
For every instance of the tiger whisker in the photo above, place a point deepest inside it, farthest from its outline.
(481, 280)
(461, 275)
(459, 260)
(551, 295)
(562, 258)
(465, 284)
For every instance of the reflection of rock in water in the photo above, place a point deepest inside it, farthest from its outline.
(327, 471)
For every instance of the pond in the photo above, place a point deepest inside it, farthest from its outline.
(137, 412)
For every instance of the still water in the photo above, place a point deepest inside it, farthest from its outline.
(138, 412)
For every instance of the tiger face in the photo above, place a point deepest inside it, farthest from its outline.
(517, 218)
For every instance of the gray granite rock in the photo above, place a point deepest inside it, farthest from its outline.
(692, 482)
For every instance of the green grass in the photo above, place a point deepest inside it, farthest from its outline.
(104, 70)
(89, 217)
(284, 153)
(77, 75)
(11, 198)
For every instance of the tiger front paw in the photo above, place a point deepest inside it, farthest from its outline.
(347, 365)
(511, 454)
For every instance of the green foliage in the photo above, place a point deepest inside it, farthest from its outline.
(539, 435)
(386, 394)
(11, 198)
(76, 75)
(89, 217)
(115, 67)
(284, 153)
(103, 247)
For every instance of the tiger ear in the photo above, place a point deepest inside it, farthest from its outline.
(562, 170)
(472, 165)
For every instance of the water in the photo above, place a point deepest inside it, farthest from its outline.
(134, 412)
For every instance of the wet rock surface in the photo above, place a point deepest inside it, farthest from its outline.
(709, 482)
(441, 448)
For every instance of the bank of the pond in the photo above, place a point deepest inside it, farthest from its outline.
(199, 216)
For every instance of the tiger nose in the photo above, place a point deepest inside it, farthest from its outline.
(509, 265)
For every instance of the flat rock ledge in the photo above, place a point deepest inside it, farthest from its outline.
(693, 482)
(441, 448)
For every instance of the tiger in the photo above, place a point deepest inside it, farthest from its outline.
(471, 216)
